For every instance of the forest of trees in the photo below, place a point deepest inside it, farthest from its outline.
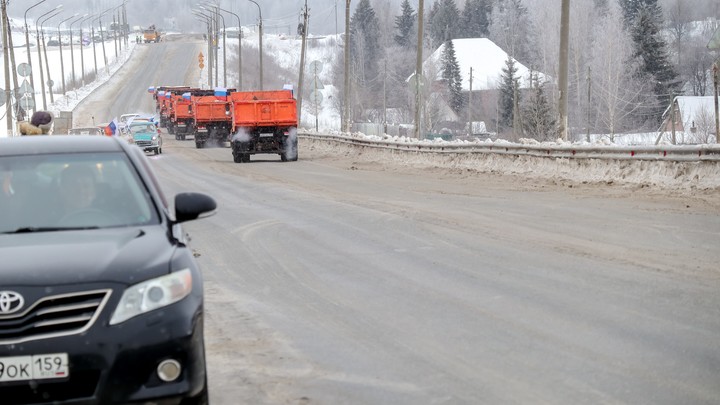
(627, 60)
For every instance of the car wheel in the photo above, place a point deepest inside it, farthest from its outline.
(157, 151)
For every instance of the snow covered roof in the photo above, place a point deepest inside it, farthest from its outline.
(487, 61)
(689, 106)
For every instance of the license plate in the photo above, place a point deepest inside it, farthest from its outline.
(35, 367)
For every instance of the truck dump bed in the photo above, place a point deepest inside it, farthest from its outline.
(254, 109)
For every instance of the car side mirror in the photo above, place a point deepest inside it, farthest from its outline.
(189, 206)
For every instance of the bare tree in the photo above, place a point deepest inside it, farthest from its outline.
(702, 126)
(617, 89)
(679, 21)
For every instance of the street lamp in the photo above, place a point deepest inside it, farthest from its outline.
(82, 51)
(239, 46)
(206, 20)
(62, 64)
(92, 38)
(260, 31)
(27, 45)
(47, 64)
(224, 48)
(72, 55)
(39, 49)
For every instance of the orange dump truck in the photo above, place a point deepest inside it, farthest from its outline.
(162, 95)
(263, 122)
(212, 118)
(181, 120)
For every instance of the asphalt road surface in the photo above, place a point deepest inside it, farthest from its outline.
(342, 280)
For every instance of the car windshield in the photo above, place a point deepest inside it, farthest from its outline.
(72, 191)
(142, 129)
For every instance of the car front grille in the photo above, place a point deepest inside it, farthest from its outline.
(143, 143)
(52, 316)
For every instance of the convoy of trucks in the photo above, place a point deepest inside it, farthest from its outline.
(253, 122)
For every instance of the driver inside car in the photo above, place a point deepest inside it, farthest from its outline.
(77, 188)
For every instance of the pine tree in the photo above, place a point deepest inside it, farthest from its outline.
(651, 49)
(451, 76)
(538, 116)
(475, 19)
(443, 21)
(365, 47)
(508, 89)
(630, 9)
(404, 25)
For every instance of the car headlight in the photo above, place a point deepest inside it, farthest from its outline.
(152, 294)
(154, 138)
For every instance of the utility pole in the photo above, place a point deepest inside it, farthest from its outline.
(302, 63)
(14, 74)
(470, 121)
(346, 93)
(563, 71)
(385, 96)
(588, 105)
(715, 87)
(418, 68)
(8, 97)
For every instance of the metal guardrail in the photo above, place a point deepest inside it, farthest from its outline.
(685, 153)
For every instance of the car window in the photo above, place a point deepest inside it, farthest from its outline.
(142, 128)
(72, 190)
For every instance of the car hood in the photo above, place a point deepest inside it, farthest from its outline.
(122, 255)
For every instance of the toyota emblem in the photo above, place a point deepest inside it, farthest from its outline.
(10, 302)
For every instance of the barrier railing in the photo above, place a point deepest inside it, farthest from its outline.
(643, 152)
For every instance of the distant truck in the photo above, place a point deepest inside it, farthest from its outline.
(212, 118)
(150, 34)
(264, 122)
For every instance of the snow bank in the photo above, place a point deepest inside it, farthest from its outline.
(684, 175)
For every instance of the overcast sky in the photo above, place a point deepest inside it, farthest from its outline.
(279, 16)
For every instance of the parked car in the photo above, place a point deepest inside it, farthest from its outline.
(102, 299)
(146, 135)
(86, 131)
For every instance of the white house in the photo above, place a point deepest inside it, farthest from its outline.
(486, 60)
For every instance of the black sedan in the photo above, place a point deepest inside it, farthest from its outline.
(101, 301)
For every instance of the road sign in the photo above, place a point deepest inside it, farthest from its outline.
(201, 57)
(27, 103)
(50, 83)
(317, 84)
(202, 65)
(24, 70)
(25, 87)
(316, 67)
(316, 97)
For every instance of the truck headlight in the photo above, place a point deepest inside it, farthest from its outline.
(152, 294)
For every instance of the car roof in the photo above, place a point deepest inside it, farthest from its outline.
(53, 144)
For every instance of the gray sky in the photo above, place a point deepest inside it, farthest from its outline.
(279, 16)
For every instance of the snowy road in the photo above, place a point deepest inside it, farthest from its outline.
(340, 280)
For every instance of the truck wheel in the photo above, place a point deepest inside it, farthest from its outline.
(237, 158)
(199, 144)
(182, 137)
